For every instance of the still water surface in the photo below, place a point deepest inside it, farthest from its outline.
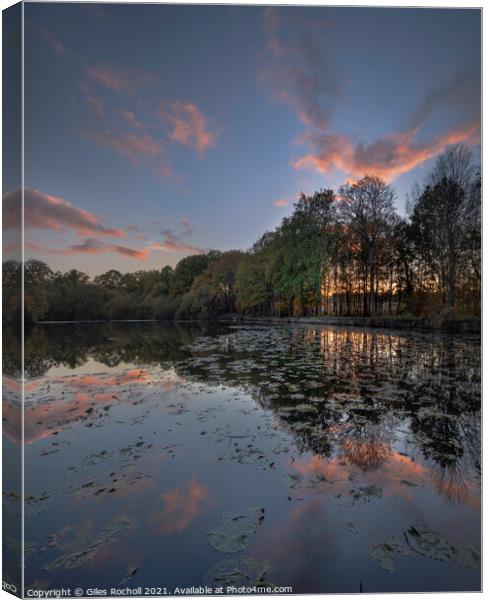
(323, 458)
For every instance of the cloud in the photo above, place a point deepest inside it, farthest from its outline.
(93, 246)
(387, 157)
(297, 67)
(16, 247)
(123, 81)
(146, 140)
(130, 118)
(189, 126)
(460, 93)
(44, 211)
(181, 506)
(137, 147)
(187, 225)
(281, 202)
(96, 105)
(300, 72)
(49, 38)
(172, 242)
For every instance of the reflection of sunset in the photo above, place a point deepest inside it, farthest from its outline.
(132, 376)
(14, 385)
(368, 454)
(182, 505)
(452, 485)
(69, 399)
(306, 532)
(397, 474)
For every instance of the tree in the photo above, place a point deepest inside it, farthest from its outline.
(11, 291)
(110, 280)
(442, 218)
(72, 277)
(36, 272)
(252, 292)
(366, 211)
(213, 291)
(187, 269)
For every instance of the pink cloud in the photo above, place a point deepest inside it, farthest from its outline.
(93, 246)
(297, 67)
(281, 202)
(181, 506)
(189, 126)
(16, 247)
(136, 147)
(130, 118)
(124, 81)
(45, 211)
(387, 157)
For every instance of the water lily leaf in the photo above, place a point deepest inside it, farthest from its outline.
(383, 554)
(240, 572)
(236, 532)
(429, 543)
(88, 550)
(365, 494)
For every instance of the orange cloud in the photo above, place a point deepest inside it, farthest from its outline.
(44, 211)
(387, 157)
(124, 81)
(189, 126)
(182, 506)
(281, 202)
(297, 67)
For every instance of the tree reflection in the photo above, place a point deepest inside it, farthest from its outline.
(340, 392)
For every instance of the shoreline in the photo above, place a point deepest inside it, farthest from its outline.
(470, 325)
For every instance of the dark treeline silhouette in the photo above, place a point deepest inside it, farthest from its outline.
(348, 253)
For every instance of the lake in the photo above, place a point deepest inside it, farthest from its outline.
(326, 459)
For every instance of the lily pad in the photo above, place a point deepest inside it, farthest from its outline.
(240, 572)
(429, 543)
(236, 531)
(93, 546)
(383, 554)
(365, 494)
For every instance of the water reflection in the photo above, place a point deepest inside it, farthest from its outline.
(153, 432)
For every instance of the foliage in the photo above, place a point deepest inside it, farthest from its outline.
(344, 254)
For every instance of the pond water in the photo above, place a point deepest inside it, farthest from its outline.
(326, 459)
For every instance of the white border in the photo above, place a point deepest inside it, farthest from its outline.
(474, 4)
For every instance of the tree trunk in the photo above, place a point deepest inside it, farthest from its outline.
(372, 290)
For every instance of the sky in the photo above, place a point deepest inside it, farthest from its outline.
(157, 131)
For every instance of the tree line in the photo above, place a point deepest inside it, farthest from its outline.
(339, 253)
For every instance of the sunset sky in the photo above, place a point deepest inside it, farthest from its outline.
(153, 132)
